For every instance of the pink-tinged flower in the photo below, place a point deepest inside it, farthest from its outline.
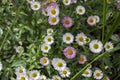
(53, 9)
(69, 52)
(91, 20)
(44, 61)
(73, 1)
(67, 22)
(82, 59)
(53, 20)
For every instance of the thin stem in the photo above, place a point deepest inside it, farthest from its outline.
(104, 19)
(6, 35)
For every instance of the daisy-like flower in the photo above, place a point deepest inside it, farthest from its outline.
(96, 46)
(20, 71)
(65, 72)
(49, 31)
(44, 61)
(42, 77)
(49, 39)
(56, 77)
(108, 46)
(1, 66)
(82, 59)
(45, 47)
(69, 52)
(30, 1)
(1, 31)
(98, 74)
(97, 18)
(91, 20)
(35, 5)
(81, 39)
(19, 49)
(67, 22)
(53, 20)
(53, 11)
(80, 10)
(68, 38)
(87, 73)
(22, 77)
(58, 64)
(34, 75)
(66, 2)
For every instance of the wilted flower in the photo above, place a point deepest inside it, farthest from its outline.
(82, 59)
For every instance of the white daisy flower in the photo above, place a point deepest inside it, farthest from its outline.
(44, 61)
(97, 18)
(49, 31)
(96, 46)
(1, 66)
(35, 5)
(66, 2)
(65, 72)
(68, 38)
(22, 77)
(30, 1)
(42, 77)
(1, 31)
(53, 11)
(19, 49)
(20, 71)
(45, 48)
(53, 20)
(81, 39)
(56, 77)
(108, 46)
(98, 74)
(91, 20)
(80, 10)
(87, 73)
(49, 39)
(34, 75)
(58, 64)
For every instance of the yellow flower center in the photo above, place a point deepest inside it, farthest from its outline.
(67, 22)
(96, 46)
(59, 64)
(51, 1)
(20, 71)
(91, 20)
(108, 46)
(49, 39)
(80, 10)
(64, 72)
(70, 52)
(22, 78)
(53, 11)
(34, 75)
(35, 6)
(66, 1)
(97, 74)
(44, 61)
(68, 38)
(81, 39)
(81, 59)
(42, 79)
(53, 20)
(46, 48)
(86, 72)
